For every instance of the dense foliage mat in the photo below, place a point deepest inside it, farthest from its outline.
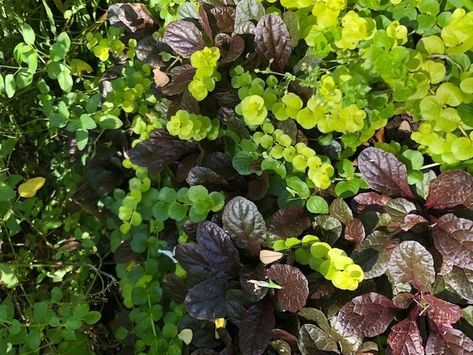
(236, 177)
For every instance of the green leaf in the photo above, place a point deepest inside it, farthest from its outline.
(92, 317)
(65, 80)
(10, 85)
(7, 276)
(87, 122)
(2, 84)
(415, 158)
(347, 188)
(6, 192)
(317, 204)
(28, 33)
(110, 122)
(466, 114)
(72, 324)
(298, 186)
(60, 48)
(82, 137)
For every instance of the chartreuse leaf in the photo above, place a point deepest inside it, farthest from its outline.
(28, 34)
(31, 186)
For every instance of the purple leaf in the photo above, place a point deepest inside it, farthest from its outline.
(295, 287)
(368, 315)
(384, 172)
(230, 47)
(374, 253)
(448, 340)
(412, 220)
(183, 37)
(403, 300)
(405, 338)
(204, 21)
(411, 262)
(450, 189)
(290, 221)
(245, 224)
(216, 247)
(190, 258)
(370, 199)
(180, 76)
(272, 41)
(312, 339)
(160, 150)
(225, 18)
(453, 238)
(134, 18)
(355, 231)
(441, 312)
(255, 328)
(206, 300)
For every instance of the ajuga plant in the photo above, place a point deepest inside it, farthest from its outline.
(284, 176)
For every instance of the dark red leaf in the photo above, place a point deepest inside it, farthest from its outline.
(230, 47)
(370, 199)
(135, 18)
(272, 41)
(284, 335)
(245, 224)
(411, 262)
(204, 21)
(183, 37)
(405, 339)
(355, 231)
(189, 257)
(175, 287)
(216, 247)
(442, 312)
(160, 150)
(384, 172)
(180, 76)
(295, 287)
(255, 329)
(412, 220)
(290, 221)
(453, 238)
(258, 187)
(225, 18)
(206, 300)
(448, 340)
(368, 315)
(450, 189)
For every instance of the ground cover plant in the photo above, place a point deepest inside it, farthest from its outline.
(236, 177)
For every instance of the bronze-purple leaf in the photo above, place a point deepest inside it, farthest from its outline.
(448, 340)
(355, 231)
(369, 200)
(180, 76)
(384, 173)
(368, 315)
(216, 247)
(272, 41)
(341, 211)
(441, 312)
(289, 222)
(412, 220)
(206, 300)
(451, 188)
(183, 37)
(405, 338)
(135, 18)
(225, 18)
(411, 262)
(160, 150)
(255, 328)
(374, 253)
(204, 21)
(295, 287)
(453, 238)
(245, 224)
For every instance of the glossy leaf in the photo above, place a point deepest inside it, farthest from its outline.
(159, 151)
(370, 200)
(368, 315)
(405, 338)
(224, 17)
(384, 173)
(450, 189)
(453, 238)
(411, 262)
(313, 339)
(289, 222)
(341, 211)
(245, 224)
(272, 41)
(216, 247)
(448, 340)
(442, 312)
(206, 300)
(255, 329)
(183, 37)
(461, 280)
(295, 288)
(355, 231)
(327, 228)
